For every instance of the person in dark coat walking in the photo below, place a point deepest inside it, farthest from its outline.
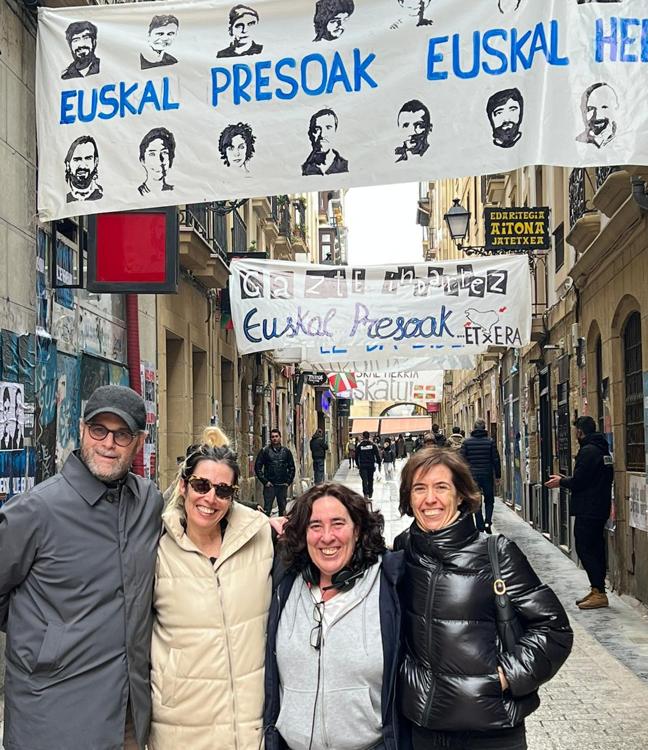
(401, 452)
(483, 458)
(275, 469)
(590, 504)
(458, 686)
(77, 562)
(318, 448)
(334, 629)
(367, 456)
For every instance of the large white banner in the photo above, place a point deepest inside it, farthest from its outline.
(417, 386)
(144, 104)
(414, 310)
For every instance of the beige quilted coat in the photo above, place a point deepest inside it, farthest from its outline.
(208, 645)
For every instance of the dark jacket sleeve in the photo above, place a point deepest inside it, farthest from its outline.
(548, 637)
(585, 466)
(495, 460)
(259, 466)
(19, 541)
(377, 455)
(290, 467)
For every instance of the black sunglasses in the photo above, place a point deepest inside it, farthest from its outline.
(202, 486)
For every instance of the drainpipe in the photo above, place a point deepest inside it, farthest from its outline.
(133, 352)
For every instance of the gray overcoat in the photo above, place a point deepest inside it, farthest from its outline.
(77, 563)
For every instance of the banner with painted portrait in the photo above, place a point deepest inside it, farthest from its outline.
(142, 105)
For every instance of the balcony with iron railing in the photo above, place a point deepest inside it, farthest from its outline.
(203, 243)
(584, 219)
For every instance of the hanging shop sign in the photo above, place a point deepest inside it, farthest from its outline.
(344, 407)
(405, 311)
(317, 379)
(186, 102)
(517, 229)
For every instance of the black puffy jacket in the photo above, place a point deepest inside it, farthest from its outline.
(275, 465)
(448, 679)
(591, 483)
(482, 455)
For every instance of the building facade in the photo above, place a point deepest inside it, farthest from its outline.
(587, 355)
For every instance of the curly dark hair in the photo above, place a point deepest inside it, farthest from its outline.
(228, 135)
(428, 457)
(370, 544)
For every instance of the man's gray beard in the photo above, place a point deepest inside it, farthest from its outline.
(120, 470)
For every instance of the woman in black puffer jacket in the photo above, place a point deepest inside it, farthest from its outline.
(458, 688)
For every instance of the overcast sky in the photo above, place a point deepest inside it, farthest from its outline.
(382, 224)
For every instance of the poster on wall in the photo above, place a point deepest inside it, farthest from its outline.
(147, 372)
(17, 472)
(637, 506)
(68, 406)
(141, 106)
(12, 417)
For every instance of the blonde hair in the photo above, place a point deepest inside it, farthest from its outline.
(212, 437)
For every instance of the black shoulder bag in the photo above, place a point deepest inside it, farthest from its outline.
(509, 627)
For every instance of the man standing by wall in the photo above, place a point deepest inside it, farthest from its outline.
(77, 561)
(318, 448)
(367, 456)
(591, 500)
(482, 456)
(275, 469)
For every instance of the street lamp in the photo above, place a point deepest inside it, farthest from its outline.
(457, 220)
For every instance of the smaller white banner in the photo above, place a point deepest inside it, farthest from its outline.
(402, 311)
(416, 386)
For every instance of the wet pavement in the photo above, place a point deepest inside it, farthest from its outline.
(599, 699)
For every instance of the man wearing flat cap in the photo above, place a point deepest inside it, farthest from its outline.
(77, 562)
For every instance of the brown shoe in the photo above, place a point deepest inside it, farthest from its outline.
(584, 598)
(596, 600)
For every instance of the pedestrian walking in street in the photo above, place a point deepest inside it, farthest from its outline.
(318, 448)
(456, 439)
(77, 562)
(367, 456)
(275, 469)
(333, 635)
(483, 458)
(350, 449)
(590, 504)
(355, 452)
(409, 445)
(211, 601)
(418, 443)
(438, 437)
(389, 459)
(400, 447)
(459, 686)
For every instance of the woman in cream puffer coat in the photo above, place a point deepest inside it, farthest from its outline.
(212, 596)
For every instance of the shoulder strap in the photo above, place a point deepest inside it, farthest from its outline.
(493, 557)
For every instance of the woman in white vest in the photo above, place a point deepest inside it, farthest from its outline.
(211, 600)
(333, 634)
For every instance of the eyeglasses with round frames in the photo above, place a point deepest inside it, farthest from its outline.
(316, 632)
(99, 432)
(202, 486)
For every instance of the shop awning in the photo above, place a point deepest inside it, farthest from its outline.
(360, 424)
(401, 425)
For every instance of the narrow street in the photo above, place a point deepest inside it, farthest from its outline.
(599, 700)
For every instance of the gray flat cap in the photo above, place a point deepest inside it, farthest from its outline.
(118, 400)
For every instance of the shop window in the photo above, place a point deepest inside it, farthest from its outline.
(633, 379)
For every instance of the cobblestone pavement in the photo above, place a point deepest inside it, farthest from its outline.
(599, 699)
